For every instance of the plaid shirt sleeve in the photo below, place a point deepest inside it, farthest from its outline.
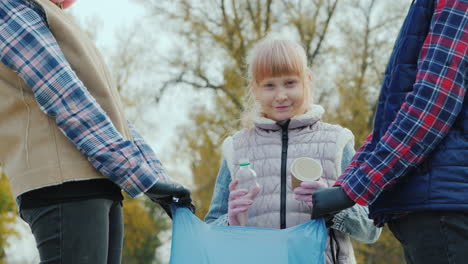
(29, 48)
(428, 112)
(148, 153)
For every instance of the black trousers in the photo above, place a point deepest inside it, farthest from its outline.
(433, 237)
(87, 231)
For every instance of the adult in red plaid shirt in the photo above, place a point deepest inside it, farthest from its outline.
(412, 170)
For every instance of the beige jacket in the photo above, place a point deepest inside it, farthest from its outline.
(33, 152)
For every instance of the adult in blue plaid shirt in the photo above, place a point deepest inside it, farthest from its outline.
(66, 146)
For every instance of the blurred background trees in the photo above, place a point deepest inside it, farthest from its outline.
(7, 215)
(143, 223)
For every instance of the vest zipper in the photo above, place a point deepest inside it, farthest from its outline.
(284, 159)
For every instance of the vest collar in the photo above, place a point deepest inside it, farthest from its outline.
(313, 115)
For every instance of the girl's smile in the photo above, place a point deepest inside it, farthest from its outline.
(282, 107)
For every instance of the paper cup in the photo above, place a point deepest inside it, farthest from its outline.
(305, 169)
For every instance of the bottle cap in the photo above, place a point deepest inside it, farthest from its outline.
(244, 162)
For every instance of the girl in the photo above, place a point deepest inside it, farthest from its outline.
(280, 125)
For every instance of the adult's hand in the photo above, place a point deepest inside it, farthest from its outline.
(329, 201)
(306, 189)
(167, 192)
(239, 201)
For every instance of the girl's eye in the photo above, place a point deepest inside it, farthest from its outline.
(268, 85)
(290, 83)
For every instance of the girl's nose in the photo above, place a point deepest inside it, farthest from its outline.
(281, 96)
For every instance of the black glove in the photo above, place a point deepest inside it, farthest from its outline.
(163, 192)
(329, 201)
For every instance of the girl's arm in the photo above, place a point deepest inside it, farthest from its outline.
(354, 221)
(218, 213)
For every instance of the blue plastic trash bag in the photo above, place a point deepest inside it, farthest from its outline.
(194, 241)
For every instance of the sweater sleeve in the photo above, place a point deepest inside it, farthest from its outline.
(354, 221)
(218, 212)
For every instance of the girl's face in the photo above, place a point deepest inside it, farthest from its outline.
(281, 98)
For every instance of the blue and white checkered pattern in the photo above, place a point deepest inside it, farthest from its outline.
(29, 48)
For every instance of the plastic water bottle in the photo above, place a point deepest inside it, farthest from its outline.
(247, 180)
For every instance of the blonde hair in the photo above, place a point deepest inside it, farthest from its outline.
(272, 57)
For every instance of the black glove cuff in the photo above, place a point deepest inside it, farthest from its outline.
(330, 201)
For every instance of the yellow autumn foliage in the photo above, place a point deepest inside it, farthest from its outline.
(7, 215)
(140, 232)
(136, 228)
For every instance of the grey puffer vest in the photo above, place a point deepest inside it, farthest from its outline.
(271, 148)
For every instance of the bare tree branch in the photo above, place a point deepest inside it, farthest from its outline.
(331, 11)
(268, 16)
(206, 85)
(365, 53)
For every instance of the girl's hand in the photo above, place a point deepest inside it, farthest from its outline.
(306, 189)
(239, 201)
(63, 3)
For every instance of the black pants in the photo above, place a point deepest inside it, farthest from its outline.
(88, 231)
(433, 237)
